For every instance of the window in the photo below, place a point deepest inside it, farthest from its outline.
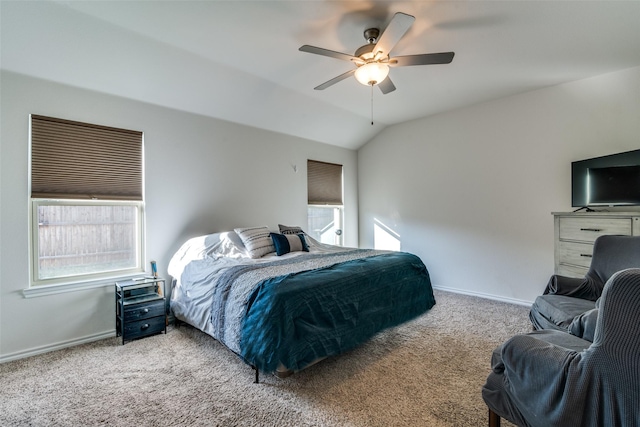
(79, 239)
(86, 202)
(325, 205)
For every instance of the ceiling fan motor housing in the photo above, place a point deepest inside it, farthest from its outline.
(371, 35)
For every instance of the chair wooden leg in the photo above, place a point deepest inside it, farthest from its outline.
(494, 419)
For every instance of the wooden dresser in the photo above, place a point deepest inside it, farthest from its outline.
(575, 233)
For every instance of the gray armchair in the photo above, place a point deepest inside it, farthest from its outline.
(550, 378)
(569, 304)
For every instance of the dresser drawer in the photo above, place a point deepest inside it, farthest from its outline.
(141, 311)
(588, 229)
(575, 253)
(572, 271)
(144, 327)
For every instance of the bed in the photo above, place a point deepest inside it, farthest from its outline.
(283, 301)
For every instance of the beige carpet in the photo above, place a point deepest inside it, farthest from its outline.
(425, 373)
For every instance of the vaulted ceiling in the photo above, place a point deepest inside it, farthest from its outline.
(239, 60)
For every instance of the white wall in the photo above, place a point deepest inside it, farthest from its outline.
(202, 175)
(471, 191)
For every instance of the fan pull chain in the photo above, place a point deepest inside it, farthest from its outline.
(372, 104)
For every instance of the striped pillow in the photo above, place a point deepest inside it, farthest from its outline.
(257, 241)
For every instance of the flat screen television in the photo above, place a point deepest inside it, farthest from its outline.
(612, 180)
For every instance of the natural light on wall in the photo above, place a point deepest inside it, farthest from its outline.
(384, 237)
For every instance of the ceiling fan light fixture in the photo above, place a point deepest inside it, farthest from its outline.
(372, 73)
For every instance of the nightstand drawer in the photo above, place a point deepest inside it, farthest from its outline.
(136, 312)
(144, 327)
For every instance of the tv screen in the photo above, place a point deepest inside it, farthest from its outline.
(606, 181)
(614, 185)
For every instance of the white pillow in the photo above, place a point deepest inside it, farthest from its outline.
(257, 240)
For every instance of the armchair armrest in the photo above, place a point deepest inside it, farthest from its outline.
(538, 371)
(583, 288)
(528, 373)
(584, 325)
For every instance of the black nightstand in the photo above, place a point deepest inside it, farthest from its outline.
(140, 308)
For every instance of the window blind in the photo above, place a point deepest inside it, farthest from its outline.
(74, 160)
(324, 183)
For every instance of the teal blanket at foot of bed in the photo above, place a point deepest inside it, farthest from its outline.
(301, 317)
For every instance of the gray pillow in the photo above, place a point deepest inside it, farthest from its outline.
(286, 229)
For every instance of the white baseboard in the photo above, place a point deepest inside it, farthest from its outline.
(483, 295)
(57, 346)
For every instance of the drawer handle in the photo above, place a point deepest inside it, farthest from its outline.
(586, 255)
(596, 230)
(145, 326)
(146, 310)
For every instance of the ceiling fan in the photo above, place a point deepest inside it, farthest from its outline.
(372, 60)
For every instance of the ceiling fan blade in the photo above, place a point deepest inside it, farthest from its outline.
(399, 25)
(329, 53)
(335, 80)
(386, 86)
(424, 59)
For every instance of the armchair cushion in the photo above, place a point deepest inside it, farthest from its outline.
(557, 311)
(550, 378)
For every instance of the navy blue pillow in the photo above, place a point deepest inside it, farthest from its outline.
(286, 243)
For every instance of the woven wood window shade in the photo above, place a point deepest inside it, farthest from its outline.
(324, 183)
(73, 160)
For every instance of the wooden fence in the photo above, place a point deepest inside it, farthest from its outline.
(85, 239)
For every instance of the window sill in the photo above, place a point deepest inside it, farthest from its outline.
(44, 290)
